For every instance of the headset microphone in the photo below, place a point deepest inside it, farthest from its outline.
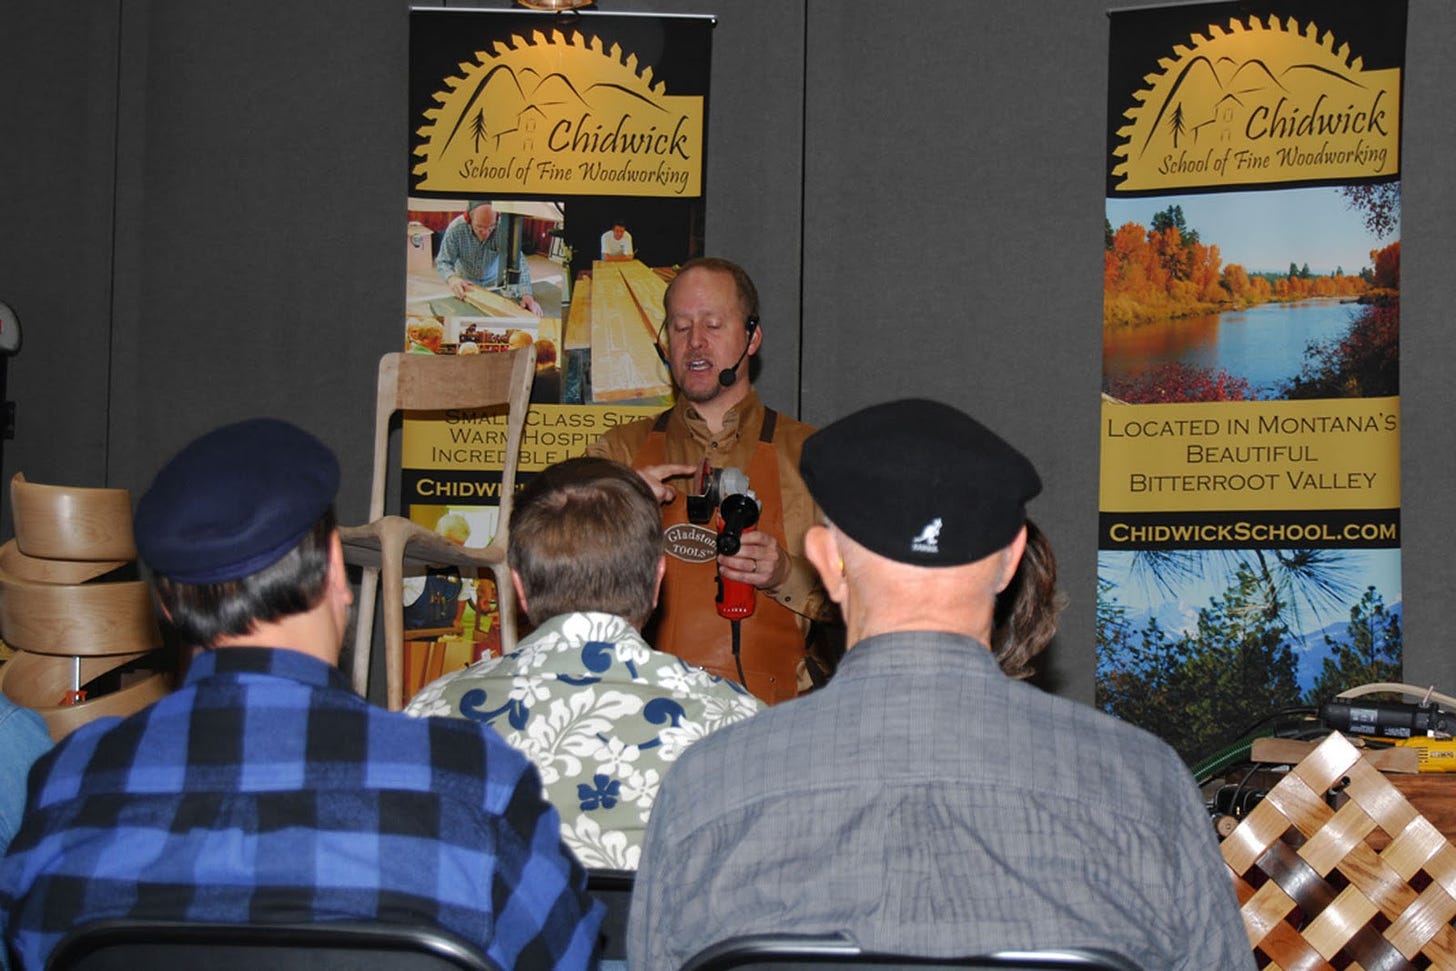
(728, 375)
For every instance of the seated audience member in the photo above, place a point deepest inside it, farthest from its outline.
(600, 713)
(1025, 617)
(264, 789)
(23, 739)
(923, 802)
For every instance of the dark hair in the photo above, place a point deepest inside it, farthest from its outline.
(1026, 611)
(742, 282)
(586, 534)
(198, 615)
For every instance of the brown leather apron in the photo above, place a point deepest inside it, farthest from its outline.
(687, 623)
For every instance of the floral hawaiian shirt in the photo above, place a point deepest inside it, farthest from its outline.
(601, 714)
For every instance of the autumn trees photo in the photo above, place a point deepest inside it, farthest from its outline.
(1165, 272)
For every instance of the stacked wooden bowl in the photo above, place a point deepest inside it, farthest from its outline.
(66, 621)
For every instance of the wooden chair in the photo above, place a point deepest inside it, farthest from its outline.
(1314, 891)
(389, 546)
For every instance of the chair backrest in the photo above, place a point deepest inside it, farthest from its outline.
(426, 382)
(115, 945)
(770, 952)
(614, 889)
(71, 522)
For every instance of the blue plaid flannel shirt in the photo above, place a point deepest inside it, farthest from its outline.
(265, 790)
(463, 254)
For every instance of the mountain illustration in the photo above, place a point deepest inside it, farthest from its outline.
(503, 99)
(1203, 88)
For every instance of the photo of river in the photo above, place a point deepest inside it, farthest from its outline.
(1252, 296)
(1264, 344)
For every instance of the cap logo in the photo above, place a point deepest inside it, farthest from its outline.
(929, 539)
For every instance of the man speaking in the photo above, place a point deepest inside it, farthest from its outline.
(712, 331)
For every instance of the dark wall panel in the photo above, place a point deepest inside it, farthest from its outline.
(1428, 344)
(261, 210)
(954, 207)
(755, 155)
(58, 65)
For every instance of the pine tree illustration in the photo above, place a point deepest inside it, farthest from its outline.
(477, 128)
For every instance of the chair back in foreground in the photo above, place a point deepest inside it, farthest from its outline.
(772, 952)
(388, 547)
(124, 945)
(614, 889)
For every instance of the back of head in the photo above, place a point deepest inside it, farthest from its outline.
(919, 482)
(236, 529)
(586, 535)
(925, 494)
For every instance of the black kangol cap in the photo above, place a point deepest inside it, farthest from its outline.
(234, 501)
(919, 482)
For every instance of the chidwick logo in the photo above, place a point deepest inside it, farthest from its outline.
(929, 539)
(560, 114)
(690, 543)
(1259, 102)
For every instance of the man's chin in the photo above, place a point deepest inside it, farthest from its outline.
(700, 394)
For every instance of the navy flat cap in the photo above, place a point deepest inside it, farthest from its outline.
(234, 501)
(919, 482)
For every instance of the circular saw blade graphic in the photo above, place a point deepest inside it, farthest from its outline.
(1201, 98)
(505, 105)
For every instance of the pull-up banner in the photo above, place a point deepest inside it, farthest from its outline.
(555, 180)
(1250, 483)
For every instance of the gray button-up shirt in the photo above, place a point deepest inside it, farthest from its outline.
(924, 803)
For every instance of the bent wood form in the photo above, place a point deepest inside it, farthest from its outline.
(61, 720)
(71, 523)
(42, 680)
(38, 569)
(83, 619)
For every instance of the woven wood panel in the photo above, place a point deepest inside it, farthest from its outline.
(1316, 895)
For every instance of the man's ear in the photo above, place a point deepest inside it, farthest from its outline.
(338, 573)
(657, 584)
(1011, 559)
(520, 592)
(755, 340)
(822, 550)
